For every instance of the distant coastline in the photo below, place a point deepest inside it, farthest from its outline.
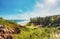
(21, 22)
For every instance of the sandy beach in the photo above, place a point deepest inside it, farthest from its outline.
(23, 23)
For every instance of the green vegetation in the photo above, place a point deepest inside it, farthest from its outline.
(50, 21)
(38, 33)
(8, 24)
(48, 28)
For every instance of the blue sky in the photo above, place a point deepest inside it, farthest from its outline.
(25, 9)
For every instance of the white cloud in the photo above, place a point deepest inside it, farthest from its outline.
(51, 2)
(39, 5)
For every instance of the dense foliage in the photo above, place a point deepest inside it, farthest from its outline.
(46, 21)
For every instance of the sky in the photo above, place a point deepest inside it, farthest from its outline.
(25, 9)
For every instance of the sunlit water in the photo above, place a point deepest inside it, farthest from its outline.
(22, 22)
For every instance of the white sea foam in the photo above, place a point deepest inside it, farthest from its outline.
(23, 22)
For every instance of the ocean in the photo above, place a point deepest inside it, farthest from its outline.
(21, 21)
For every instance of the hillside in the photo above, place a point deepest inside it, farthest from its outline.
(8, 28)
(48, 28)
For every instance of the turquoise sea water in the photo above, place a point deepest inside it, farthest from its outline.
(20, 21)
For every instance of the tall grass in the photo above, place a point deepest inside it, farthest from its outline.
(38, 33)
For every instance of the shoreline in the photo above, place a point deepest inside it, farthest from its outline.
(23, 23)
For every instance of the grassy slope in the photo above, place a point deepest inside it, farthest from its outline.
(37, 33)
(8, 24)
(29, 33)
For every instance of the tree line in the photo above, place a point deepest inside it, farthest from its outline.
(46, 21)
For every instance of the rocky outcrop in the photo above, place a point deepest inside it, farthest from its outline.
(5, 33)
